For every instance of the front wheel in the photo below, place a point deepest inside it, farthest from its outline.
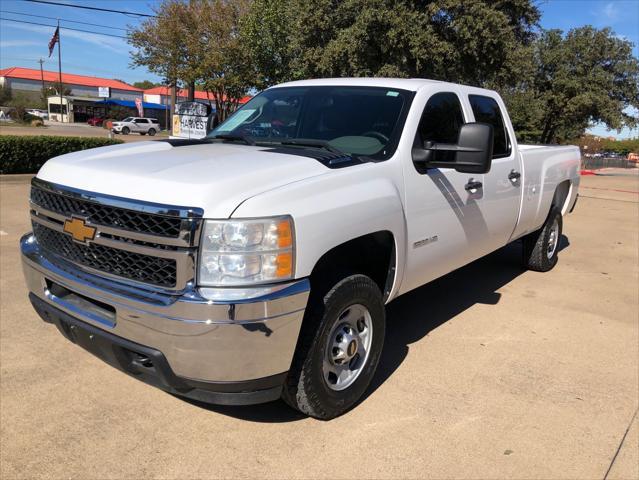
(541, 247)
(125, 131)
(339, 348)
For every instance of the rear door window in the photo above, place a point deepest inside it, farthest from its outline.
(486, 110)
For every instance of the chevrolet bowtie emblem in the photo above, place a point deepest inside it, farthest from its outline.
(79, 230)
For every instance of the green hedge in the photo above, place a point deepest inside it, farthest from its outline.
(26, 154)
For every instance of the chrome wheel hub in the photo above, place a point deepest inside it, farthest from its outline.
(553, 239)
(348, 347)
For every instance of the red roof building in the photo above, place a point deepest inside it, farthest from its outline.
(67, 78)
(162, 95)
(29, 81)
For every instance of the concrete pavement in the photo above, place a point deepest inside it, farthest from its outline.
(489, 372)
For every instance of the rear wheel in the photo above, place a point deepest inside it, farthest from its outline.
(125, 130)
(151, 131)
(541, 247)
(339, 348)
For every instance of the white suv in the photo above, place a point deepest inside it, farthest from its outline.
(138, 125)
(43, 114)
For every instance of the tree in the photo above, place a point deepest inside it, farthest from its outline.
(5, 94)
(479, 42)
(20, 103)
(265, 33)
(584, 77)
(197, 42)
(218, 60)
(159, 44)
(145, 84)
(622, 147)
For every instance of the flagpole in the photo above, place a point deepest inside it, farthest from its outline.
(60, 76)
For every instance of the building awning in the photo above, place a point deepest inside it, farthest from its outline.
(131, 104)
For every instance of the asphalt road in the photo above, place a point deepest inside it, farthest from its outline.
(489, 372)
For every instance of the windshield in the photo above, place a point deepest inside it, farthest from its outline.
(354, 120)
(128, 119)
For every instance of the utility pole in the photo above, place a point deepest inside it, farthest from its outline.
(41, 61)
(60, 75)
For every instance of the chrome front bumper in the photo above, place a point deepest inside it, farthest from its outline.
(231, 335)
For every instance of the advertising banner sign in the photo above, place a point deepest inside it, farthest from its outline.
(192, 119)
(138, 104)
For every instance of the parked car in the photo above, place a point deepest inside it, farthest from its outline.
(137, 125)
(43, 114)
(96, 121)
(256, 263)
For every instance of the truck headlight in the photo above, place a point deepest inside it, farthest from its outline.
(245, 252)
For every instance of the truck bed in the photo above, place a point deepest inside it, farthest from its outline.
(544, 167)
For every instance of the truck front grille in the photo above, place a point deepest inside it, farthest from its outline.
(107, 215)
(145, 243)
(133, 266)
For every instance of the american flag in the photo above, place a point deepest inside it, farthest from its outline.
(54, 40)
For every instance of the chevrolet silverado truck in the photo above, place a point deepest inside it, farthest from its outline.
(255, 264)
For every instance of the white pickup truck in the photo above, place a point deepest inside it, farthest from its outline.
(256, 263)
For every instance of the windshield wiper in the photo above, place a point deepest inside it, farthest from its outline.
(310, 142)
(235, 138)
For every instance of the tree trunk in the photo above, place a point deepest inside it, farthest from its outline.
(548, 127)
(173, 99)
(191, 92)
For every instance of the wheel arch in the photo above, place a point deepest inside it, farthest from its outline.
(373, 254)
(561, 197)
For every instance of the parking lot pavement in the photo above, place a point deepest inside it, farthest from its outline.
(73, 130)
(489, 372)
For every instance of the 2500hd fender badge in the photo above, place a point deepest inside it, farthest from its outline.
(425, 241)
(79, 230)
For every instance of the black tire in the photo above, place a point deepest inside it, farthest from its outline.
(306, 388)
(151, 131)
(537, 244)
(125, 130)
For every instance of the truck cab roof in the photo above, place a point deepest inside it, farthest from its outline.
(411, 84)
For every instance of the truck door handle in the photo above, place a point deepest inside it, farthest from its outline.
(471, 186)
(513, 176)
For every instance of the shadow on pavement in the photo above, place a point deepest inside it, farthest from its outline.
(272, 412)
(413, 316)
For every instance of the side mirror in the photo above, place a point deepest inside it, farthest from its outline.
(473, 151)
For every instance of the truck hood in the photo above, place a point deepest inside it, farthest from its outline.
(216, 177)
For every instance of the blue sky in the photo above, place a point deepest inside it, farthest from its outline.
(89, 54)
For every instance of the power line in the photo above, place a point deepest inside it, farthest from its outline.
(90, 8)
(62, 20)
(64, 28)
(77, 67)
